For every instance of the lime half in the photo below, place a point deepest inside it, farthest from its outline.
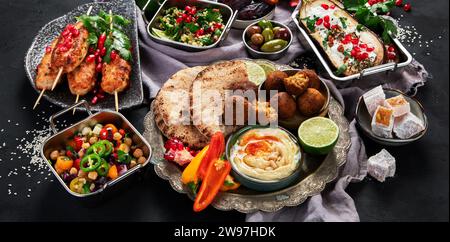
(268, 68)
(318, 135)
(256, 73)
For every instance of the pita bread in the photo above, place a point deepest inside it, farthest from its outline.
(207, 113)
(173, 102)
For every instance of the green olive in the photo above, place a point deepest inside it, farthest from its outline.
(274, 45)
(268, 34)
(275, 30)
(257, 39)
(264, 24)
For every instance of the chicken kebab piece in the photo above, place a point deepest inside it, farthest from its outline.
(82, 80)
(115, 77)
(64, 55)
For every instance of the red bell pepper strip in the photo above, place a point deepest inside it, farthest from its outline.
(215, 151)
(217, 171)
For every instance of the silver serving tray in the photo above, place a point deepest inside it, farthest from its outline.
(306, 40)
(59, 138)
(316, 172)
(227, 13)
(61, 96)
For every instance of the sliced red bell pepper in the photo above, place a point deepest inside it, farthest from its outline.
(215, 151)
(215, 175)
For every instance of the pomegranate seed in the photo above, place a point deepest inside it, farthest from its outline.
(332, 7)
(99, 67)
(113, 55)
(348, 37)
(193, 153)
(100, 96)
(365, 55)
(370, 49)
(364, 46)
(407, 7)
(392, 55)
(169, 157)
(94, 100)
(325, 6)
(326, 25)
(218, 26)
(334, 26)
(70, 27)
(326, 18)
(63, 49)
(103, 51)
(75, 32)
(69, 153)
(91, 50)
(398, 3)
(180, 146)
(99, 59)
(187, 148)
(48, 49)
(319, 21)
(357, 49)
(355, 41)
(341, 48)
(179, 20)
(354, 53)
(188, 8)
(65, 33)
(90, 58)
(188, 19)
(391, 49)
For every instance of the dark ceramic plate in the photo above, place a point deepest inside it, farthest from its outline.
(61, 96)
(364, 120)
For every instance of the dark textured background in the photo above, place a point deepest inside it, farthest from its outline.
(419, 192)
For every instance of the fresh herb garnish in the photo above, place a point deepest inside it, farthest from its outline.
(340, 70)
(368, 16)
(311, 23)
(343, 22)
(116, 38)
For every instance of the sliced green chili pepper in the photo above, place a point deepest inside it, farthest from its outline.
(102, 148)
(86, 188)
(103, 169)
(123, 157)
(90, 162)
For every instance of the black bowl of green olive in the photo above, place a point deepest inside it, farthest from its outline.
(267, 39)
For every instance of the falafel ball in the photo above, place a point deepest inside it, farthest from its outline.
(314, 80)
(311, 102)
(286, 105)
(274, 81)
(296, 84)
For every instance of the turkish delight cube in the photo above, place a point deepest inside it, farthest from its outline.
(383, 122)
(374, 98)
(399, 105)
(381, 166)
(408, 126)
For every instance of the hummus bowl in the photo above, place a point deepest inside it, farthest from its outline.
(264, 158)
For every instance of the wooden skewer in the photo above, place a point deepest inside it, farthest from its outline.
(57, 78)
(78, 96)
(116, 99)
(116, 95)
(76, 101)
(38, 99)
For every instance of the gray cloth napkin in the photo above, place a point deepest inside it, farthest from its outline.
(159, 62)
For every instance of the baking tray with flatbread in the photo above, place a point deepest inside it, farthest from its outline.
(316, 172)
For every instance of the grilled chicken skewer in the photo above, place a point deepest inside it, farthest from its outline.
(66, 55)
(82, 80)
(115, 77)
(45, 73)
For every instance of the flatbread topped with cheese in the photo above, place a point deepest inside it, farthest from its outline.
(349, 47)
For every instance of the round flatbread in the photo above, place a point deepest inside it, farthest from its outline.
(172, 109)
(209, 86)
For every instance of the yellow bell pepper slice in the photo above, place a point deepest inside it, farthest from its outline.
(190, 173)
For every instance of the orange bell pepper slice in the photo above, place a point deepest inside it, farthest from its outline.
(215, 151)
(217, 171)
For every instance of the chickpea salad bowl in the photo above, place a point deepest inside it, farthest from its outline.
(95, 153)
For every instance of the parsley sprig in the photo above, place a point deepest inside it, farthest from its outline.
(370, 16)
(116, 38)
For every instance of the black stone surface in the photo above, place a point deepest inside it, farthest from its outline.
(419, 192)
